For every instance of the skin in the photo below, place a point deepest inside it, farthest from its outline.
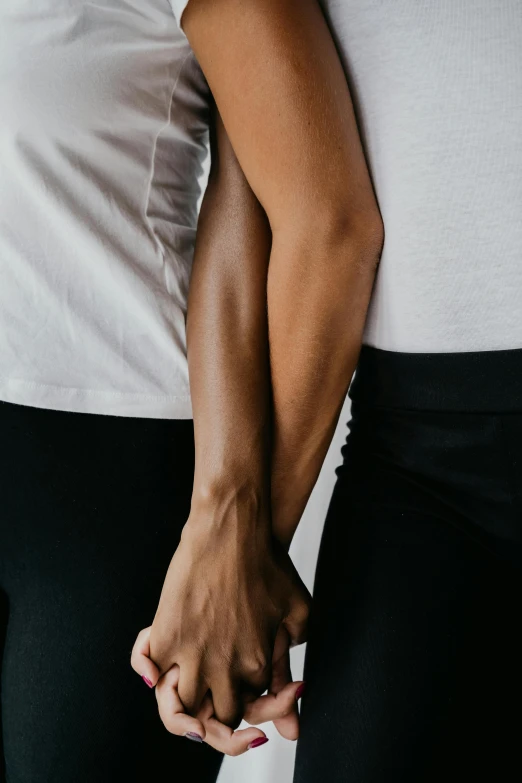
(232, 229)
(288, 245)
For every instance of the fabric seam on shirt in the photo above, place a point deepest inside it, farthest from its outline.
(152, 172)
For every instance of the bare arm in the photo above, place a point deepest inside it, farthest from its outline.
(281, 91)
(227, 334)
(290, 118)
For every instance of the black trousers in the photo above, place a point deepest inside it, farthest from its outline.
(91, 510)
(415, 658)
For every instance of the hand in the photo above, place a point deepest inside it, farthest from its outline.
(229, 588)
(280, 705)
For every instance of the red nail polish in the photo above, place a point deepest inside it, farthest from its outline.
(299, 692)
(147, 681)
(258, 742)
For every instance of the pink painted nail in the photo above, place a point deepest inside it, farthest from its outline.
(147, 681)
(258, 742)
(299, 692)
(191, 735)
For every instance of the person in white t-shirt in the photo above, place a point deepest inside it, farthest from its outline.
(102, 142)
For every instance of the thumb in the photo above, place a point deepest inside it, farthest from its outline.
(299, 600)
(296, 620)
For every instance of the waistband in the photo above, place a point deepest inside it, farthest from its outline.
(474, 382)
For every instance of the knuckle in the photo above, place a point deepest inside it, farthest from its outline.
(169, 725)
(167, 719)
(189, 705)
(303, 611)
(284, 710)
(257, 667)
(230, 717)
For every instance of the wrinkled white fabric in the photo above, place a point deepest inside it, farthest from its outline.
(103, 133)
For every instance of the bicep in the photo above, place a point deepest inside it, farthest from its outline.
(280, 88)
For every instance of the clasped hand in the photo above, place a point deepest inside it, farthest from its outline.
(231, 606)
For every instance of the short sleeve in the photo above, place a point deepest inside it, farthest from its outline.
(178, 6)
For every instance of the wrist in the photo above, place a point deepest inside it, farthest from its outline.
(236, 506)
(285, 521)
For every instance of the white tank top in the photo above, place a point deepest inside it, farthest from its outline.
(103, 132)
(438, 91)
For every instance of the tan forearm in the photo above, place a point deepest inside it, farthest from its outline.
(317, 303)
(316, 290)
(280, 88)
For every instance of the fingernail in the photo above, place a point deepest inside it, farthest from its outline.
(191, 735)
(147, 681)
(299, 692)
(257, 742)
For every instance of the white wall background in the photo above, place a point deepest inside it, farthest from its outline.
(274, 762)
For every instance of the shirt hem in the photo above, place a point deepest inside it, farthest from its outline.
(101, 403)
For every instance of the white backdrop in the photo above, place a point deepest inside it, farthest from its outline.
(274, 762)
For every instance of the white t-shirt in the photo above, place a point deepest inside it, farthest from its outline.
(438, 90)
(103, 133)
(102, 139)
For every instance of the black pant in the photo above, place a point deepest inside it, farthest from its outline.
(414, 663)
(91, 510)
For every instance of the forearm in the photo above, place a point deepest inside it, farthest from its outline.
(227, 336)
(230, 590)
(318, 290)
(318, 295)
(288, 112)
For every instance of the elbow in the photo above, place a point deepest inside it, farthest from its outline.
(370, 238)
(359, 235)
(337, 237)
